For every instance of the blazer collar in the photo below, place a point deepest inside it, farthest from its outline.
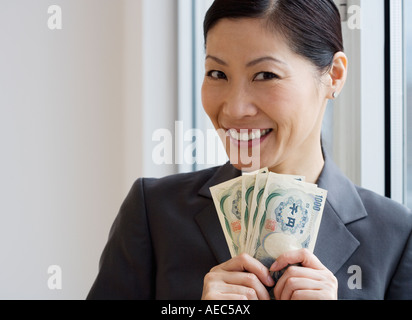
(335, 243)
(223, 174)
(342, 194)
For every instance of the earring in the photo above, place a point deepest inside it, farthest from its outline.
(335, 95)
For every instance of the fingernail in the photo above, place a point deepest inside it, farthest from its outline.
(274, 266)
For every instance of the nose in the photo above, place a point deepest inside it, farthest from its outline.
(239, 103)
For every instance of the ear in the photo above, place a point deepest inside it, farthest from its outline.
(337, 74)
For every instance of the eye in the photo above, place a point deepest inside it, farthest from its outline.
(265, 76)
(217, 75)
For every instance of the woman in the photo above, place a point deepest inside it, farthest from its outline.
(271, 67)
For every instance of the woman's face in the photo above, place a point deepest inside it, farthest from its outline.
(261, 95)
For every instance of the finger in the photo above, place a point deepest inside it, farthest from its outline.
(247, 284)
(253, 283)
(291, 278)
(292, 285)
(219, 290)
(217, 286)
(246, 263)
(224, 291)
(303, 257)
(313, 295)
(297, 271)
(246, 292)
(308, 295)
(243, 283)
(300, 278)
(292, 272)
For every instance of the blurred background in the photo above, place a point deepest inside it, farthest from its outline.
(80, 104)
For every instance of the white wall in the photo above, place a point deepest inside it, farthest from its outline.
(73, 129)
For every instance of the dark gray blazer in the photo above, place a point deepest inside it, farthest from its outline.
(167, 237)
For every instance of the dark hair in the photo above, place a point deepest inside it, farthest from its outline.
(312, 27)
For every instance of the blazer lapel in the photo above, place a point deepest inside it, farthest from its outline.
(209, 224)
(335, 243)
(207, 218)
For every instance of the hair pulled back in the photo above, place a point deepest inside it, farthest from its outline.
(312, 28)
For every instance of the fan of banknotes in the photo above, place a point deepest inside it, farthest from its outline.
(265, 214)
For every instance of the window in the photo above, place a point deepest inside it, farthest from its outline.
(191, 74)
(408, 73)
(398, 79)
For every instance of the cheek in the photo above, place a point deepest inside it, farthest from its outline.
(280, 104)
(210, 103)
(290, 110)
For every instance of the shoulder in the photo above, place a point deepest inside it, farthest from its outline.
(151, 196)
(188, 181)
(184, 185)
(375, 202)
(388, 231)
(353, 203)
(385, 210)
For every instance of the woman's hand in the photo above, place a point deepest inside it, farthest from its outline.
(241, 278)
(311, 281)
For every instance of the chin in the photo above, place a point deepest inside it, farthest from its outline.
(249, 166)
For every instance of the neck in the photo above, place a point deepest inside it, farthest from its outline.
(308, 162)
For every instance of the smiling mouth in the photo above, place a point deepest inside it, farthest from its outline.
(246, 135)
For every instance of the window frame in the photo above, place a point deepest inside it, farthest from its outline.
(396, 142)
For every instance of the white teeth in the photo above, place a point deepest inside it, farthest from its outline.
(245, 136)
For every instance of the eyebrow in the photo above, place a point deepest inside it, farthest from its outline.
(219, 61)
(250, 64)
(263, 59)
